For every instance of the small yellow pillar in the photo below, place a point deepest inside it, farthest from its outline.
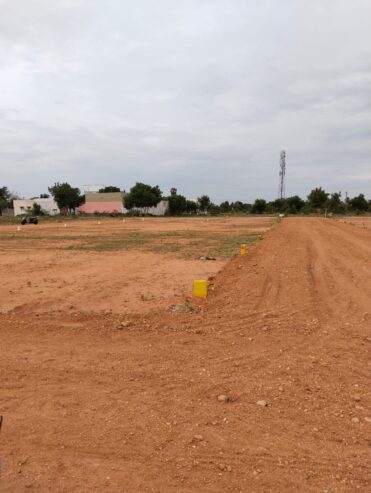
(200, 288)
(243, 249)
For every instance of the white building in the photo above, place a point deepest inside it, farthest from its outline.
(159, 210)
(48, 206)
(93, 188)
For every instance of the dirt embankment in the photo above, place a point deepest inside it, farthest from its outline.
(94, 406)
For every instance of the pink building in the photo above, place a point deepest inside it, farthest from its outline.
(103, 203)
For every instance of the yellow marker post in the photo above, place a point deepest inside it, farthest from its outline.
(243, 249)
(200, 288)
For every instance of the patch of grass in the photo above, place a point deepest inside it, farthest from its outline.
(227, 246)
(212, 245)
(153, 242)
(48, 219)
(110, 243)
(12, 241)
(185, 244)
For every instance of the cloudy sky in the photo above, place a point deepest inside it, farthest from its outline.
(197, 94)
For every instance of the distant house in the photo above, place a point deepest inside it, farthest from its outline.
(93, 188)
(103, 203)
(24, 206)
(159, 210)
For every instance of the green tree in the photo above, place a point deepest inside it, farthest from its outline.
(359, 203)
(294, 204)
(335, 204)
(214, 209)
(191, 207)
(259, 206)
(318, 199)
(5, 199)
(109, 189)
(177, 203)
(203, 203)
(142, 196)
(36, 210)
(278, 205)
(237, 206)
(225, 207)
(67, 197)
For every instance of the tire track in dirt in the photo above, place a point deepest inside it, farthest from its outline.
(315, 267)
(342, 267)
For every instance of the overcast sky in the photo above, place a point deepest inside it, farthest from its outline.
(197, 94)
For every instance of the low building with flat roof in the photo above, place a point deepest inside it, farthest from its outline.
(103, 203)
(24, 206)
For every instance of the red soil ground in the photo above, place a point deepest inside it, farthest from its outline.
(37, 272)
(90, 405)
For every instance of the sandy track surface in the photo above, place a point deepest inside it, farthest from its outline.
(94, 406)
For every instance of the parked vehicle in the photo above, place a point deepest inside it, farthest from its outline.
(30, 220)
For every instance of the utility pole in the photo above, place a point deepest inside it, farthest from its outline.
(281, 187)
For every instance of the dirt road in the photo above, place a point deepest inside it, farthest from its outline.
(92, 406)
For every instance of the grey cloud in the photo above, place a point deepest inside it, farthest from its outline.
(198, 95)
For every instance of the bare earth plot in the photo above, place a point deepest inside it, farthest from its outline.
(360, 221)
(128, 402)
(105, 264)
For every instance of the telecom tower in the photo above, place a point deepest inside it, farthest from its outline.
(281, 187)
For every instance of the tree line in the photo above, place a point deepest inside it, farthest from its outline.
(318, 201)
(143, 196)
